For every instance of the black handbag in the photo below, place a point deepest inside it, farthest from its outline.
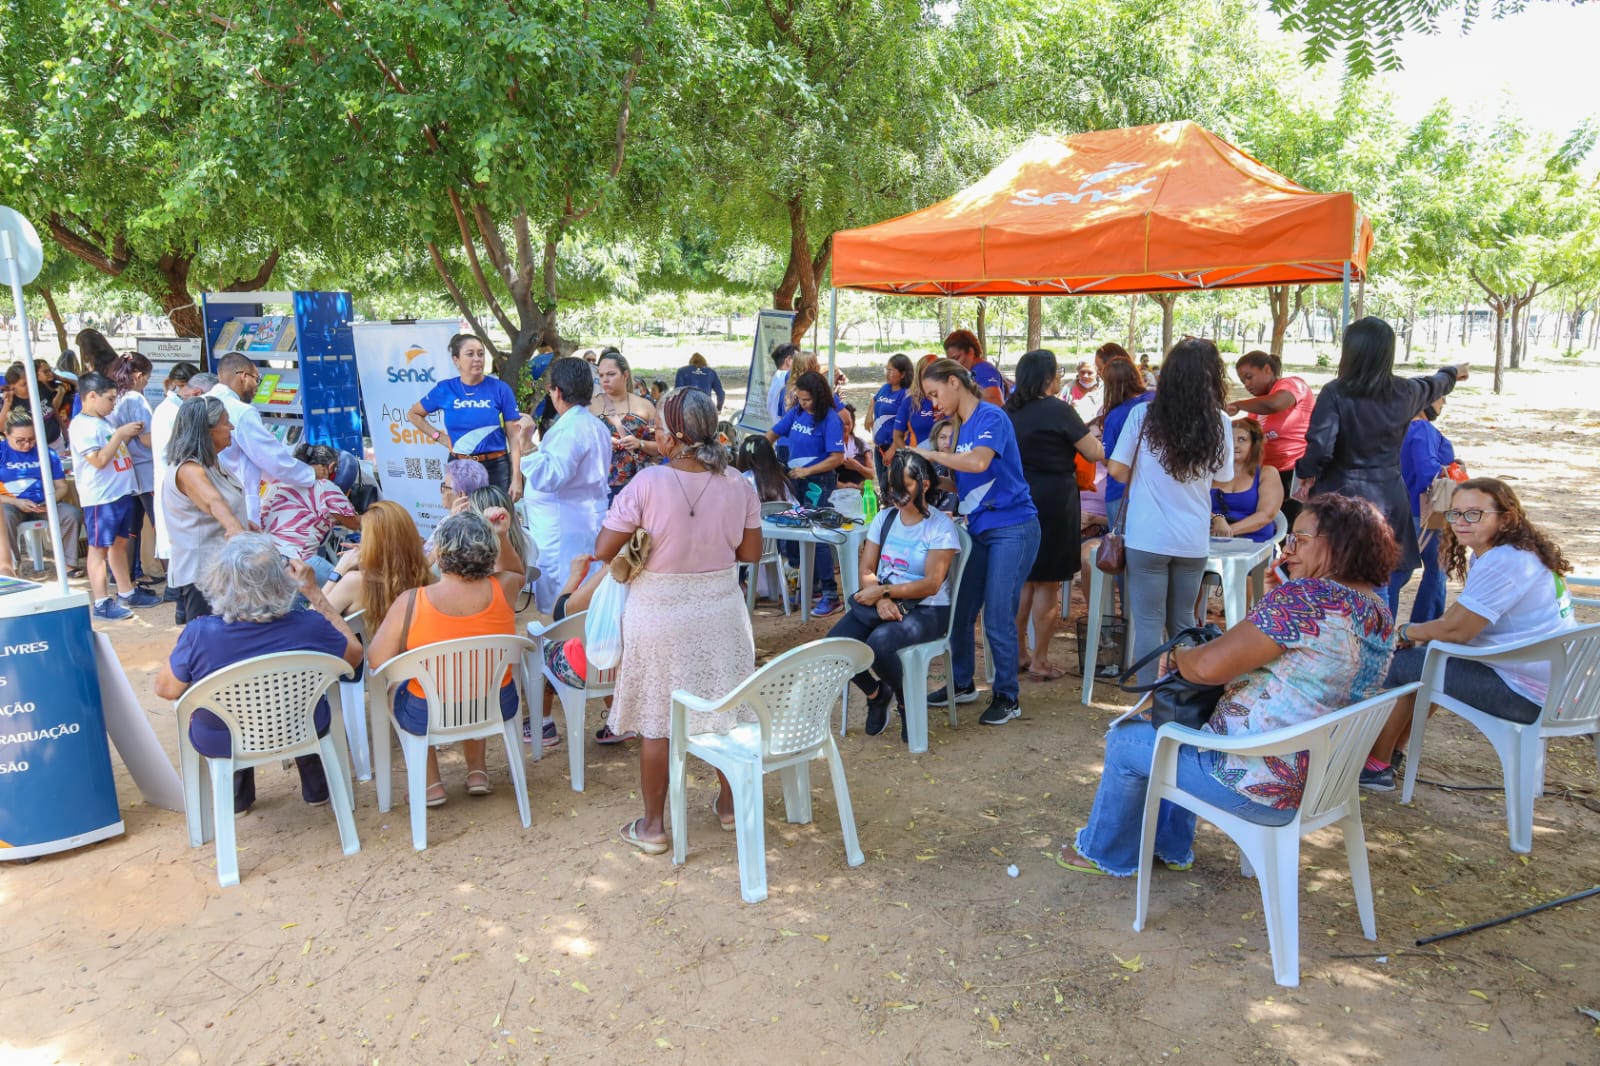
(1174, 698)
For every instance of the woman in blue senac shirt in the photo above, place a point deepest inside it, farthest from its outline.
(480, 416)
(22, 492)
(812, 438)
(913, 422)
(886, 404)
(987, 471)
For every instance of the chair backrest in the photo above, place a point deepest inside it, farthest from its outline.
(460, 678)
(1339, 744)
(772, 507)
(1576, 582)
(571, 628)
(267, 702)
(958, 568)
(794, 695)
(1280, 528)
(357, 621)
(1574, 695)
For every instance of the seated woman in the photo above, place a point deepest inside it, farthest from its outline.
(1248, 502)
(759, 464)
(1514, 591)
(1315, 644)
(250, 590)
(480, 576)
(857, 466)
(566, 660)
(299, 520)
(904, 597)
(387, 562)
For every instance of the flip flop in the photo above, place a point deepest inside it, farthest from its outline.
(1078, 867)
(1052, 674)
(630, 835)
(478, 783)
(727, 826)
(604, 735)
(436, 796)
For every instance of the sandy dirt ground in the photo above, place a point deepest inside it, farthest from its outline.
(560, 944)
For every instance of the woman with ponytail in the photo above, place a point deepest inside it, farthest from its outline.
(1282, 406)
(986, 469)
(686, 626)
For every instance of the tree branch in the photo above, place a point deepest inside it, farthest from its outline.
(471, 249)
(262, 276)
(86, 248)
(620, 151)
(461, 301)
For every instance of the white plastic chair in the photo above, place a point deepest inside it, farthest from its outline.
(792, 697)
(461, 681)
(268, 704)
(354, 698)
(598, 684)
(33, 537)
(770, 556)
(1571, 709)
(916, 661)
(1336, 745)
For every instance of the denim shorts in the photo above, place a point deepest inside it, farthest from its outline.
(411, 712)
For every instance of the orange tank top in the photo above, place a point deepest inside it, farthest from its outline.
(429, 625)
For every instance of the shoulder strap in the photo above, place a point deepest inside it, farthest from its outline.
(1127, 491)
(405, 625)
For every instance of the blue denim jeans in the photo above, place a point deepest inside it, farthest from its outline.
(1116, 821)
(1429, 603)
(918, 626)
(992, 583)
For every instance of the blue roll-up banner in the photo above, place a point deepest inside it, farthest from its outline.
(56, 785)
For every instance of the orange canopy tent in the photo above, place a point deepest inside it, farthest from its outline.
(1167, 208)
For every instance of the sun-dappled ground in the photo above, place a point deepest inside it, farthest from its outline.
(560, 944)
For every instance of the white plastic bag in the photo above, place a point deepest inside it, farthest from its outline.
(602, 627)
(848, 502)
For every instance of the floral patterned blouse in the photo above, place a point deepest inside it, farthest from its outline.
(1336, 644)
(625, 463)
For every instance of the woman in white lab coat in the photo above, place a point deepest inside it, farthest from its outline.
(564, 479)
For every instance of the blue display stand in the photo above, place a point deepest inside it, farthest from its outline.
(56, 787)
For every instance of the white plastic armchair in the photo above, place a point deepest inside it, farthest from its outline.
(461, 681)
(916, 661)
(1336, 747)
(598, 684)
(770, 556)
(792, 697)
(354, 693)
(1571, 709)
(268, 704)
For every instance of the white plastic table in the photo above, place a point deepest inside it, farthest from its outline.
(849, 557)
(1241, 564)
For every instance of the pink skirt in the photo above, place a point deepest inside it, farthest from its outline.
(682, 631)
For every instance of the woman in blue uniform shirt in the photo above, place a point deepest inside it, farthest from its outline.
(913, 422)
(480, 416)
(813, 435)
(886, 404)
(987, 471)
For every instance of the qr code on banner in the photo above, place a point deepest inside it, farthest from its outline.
(435, 469)
(414, 469)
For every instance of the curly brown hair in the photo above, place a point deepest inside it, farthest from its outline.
(1361, 547)
(1515, 530)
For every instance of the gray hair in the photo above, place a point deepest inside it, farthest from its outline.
(204, 382)
(489, 496)
(191, 432)
(466, 545)
(248, 581)
(691, 421)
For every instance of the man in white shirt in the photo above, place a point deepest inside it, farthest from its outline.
(255, 454)
(781, 356)
(564, 480)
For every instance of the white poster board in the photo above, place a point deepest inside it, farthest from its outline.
(773, 328)
(397, 364)
(164, 353)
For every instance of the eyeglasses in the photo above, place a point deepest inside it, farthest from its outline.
(1292, 541)
(1470, 516)
(23, 444)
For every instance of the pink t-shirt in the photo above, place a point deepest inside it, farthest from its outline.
(1286, 429)
(298, 520)
(659, 499)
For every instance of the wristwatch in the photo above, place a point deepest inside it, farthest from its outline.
(335, 576)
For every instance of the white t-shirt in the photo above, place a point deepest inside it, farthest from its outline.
(780, 382)
(98, 485)
(1522, 599)
(903, 558)
(1167, 516)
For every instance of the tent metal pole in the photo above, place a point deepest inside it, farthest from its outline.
(833, 333)
(1344, 323)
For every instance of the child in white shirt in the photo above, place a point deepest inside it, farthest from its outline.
(103, 467)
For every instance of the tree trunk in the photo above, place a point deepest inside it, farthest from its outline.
(1278, 304)
(1035, 322)
(55, 318)
(802, 274)
(1466, 317)
(1167, 300)
(983, 324)
(1133, 322)
(1516, 334)
(1499, 344)
(1358, 310)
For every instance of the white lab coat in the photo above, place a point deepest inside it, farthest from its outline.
(564, 496)
(162, 422)
(256, 455)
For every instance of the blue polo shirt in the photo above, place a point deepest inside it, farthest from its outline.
(20, 472)
(806, 439)
(1116, 418)
(987, 377)
(475, 416)
(885, 409)
(999, 496)
(916, 423)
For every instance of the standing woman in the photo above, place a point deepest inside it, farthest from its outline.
(1124, 390)
(631, 418)
(1177, 446)
(1282, 405)
(203, 503)
(686, 626)
(814, 436)
(1004, 524)
(1050, 434)
(886, 405)
(480, 416)
(131, 373)
(964, 347)
(698, 375)
(1424, 456)
(913, 422)
(1359, 423)
(162, 421)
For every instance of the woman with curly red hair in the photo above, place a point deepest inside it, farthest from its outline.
(1515, 590)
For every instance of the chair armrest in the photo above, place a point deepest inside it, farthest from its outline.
(692, 702)
(1515, 652)
(1277, 742)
